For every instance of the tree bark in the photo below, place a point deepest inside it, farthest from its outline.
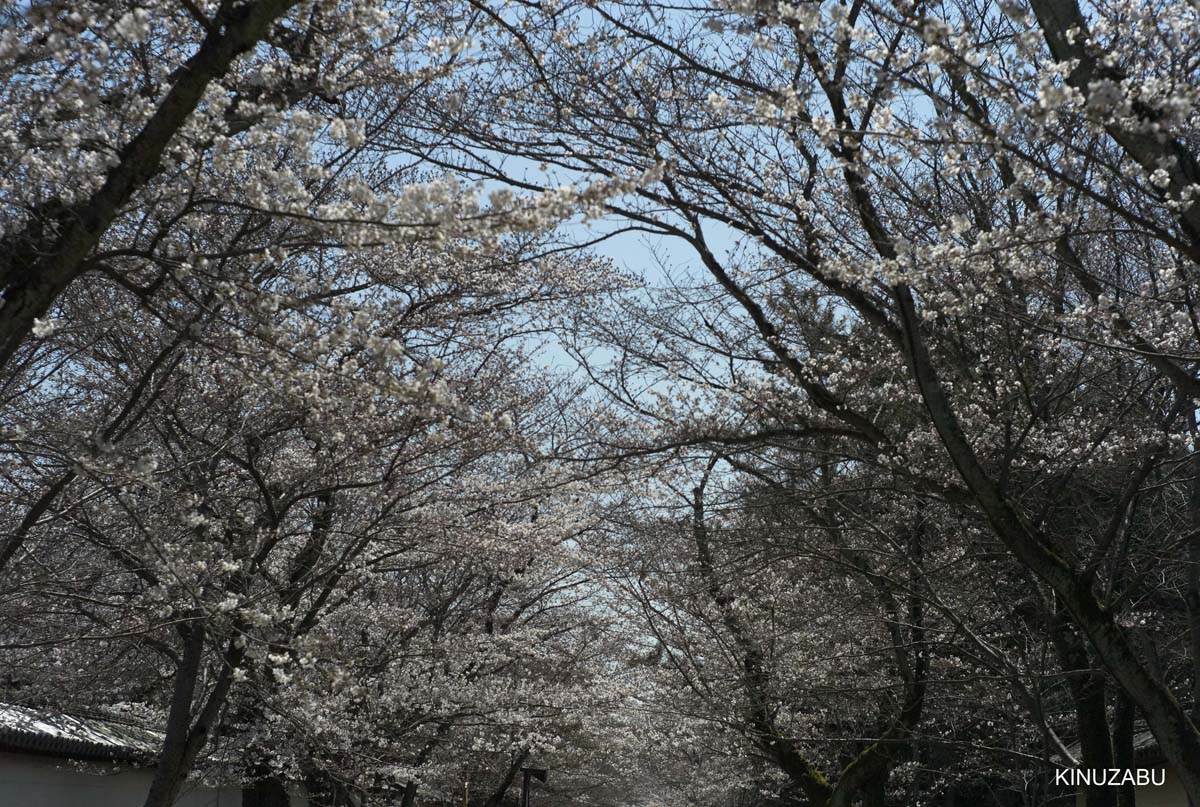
(167, 776)
(1087, 687)
(1177, 735)
(1123, 724)
(509, 777)
(755, 680)
(867, 774)
(266, 792)
(185, 737)
(1192, 563)
(17, 537)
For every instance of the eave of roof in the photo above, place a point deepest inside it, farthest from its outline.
(88, 738)
(1145, 748)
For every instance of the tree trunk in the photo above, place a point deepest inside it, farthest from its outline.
(1170, 721)
(170, 773)
(1192, 563)
(1123, 722)
(185, 738)
(1088, 699)
(509, 777)
(266, 792)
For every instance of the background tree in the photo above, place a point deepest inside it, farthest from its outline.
(1000, 199)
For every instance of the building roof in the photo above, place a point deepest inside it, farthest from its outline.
(84, 737)
(1144, 743)
(1145, 747)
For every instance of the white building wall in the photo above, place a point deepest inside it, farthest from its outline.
(34, 781)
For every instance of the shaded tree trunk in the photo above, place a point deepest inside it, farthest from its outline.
(185, 736)
(510, 776)
(1123, 722)
(1088, 698)
(170, 772)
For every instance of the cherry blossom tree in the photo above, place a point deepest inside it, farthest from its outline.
(256, 368)
(304, 492)
(275, 454)
(997, 202)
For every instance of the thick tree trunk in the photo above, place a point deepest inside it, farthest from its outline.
(185, 736)
(509, 777)
(1088, 688)
(1192, 562)
(266, 792)
(1123, 723)
(170, 772)
(1091, 715)
(1171, 722)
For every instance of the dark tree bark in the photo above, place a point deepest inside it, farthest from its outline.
(186, 735)
(510, 776)
(866, 775)
(1123, 724)
(169, 774)
(1088, 691)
